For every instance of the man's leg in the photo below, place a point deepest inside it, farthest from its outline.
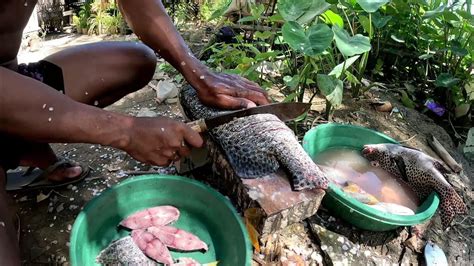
(9, 249)
(95, 74)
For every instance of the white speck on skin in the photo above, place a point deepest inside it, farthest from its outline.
(194, 70)
(183, 63)
(96, 103)
(201, 77)
(86, 93)
(2, 223)
(162, 129)
(50, 119)
(51, 109)
(44, 106)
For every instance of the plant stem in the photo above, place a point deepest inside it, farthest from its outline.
(348, 21)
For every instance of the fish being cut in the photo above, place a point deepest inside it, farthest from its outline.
(258, 145)
(152, 246)
(423, 173)
(177, 239)
(156, 216)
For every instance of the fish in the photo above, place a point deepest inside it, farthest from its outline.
(423, 173)
(156, 216)
(152, 246)
(392, 208)
(355, 191)
(175, 238)
(258, 145)
(123, 251)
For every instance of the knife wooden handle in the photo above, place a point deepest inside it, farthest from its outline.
(198, 125)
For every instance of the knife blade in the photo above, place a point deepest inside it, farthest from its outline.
(284, 111)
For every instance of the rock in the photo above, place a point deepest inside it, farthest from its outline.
(415, 243)
(166, 89)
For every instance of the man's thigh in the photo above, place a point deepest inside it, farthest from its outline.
(101, 72)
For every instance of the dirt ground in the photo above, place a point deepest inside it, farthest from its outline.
(47, 216)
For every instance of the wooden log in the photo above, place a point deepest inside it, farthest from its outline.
(277, 204)
(444, 154)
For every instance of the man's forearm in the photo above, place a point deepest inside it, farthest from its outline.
(149, 20)
(33, 110)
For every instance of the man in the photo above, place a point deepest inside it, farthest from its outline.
(55, 100)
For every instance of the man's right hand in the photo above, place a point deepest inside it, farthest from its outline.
(159, 141)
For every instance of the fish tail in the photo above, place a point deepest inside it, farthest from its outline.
(451, 205)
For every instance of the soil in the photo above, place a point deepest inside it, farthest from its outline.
(47, 216)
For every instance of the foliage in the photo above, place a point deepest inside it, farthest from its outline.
(99, 17)
(317, 46)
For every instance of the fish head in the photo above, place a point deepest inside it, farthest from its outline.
(376, 154)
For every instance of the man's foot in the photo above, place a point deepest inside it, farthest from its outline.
(60, 174)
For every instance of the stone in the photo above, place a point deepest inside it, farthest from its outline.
(165, 89)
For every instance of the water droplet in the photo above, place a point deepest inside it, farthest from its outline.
(50, 119)
(44, 106)
(51, 109)
(201, 77)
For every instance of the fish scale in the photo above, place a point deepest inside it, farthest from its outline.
(258, 145)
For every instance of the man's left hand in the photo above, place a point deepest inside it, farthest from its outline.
(230, 91)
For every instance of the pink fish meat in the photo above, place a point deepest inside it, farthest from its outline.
(152, 246)
(177, 239)
(155, 216)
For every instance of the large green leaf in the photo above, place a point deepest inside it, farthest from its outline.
(435, 12)
(333, 18)
(365, 22)
(331, 87)
(371, 5)
(446, 80)
(311, 42)
(350, 45)
(380, 21)
(301, 11)
(220, 11)
(337, 71)
(317, 8)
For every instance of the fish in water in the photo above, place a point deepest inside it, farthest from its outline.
(258, 145)
(423, 173)
(156, 216)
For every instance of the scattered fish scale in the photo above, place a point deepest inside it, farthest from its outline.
(422, 172)
(177, 239)
(258, 145)
(155, 216)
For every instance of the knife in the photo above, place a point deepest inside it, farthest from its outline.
(284, 111)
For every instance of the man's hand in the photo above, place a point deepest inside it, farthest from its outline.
(229, 91)
(159, 141)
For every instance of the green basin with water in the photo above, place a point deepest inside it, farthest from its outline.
(336, 136)
(204, 212)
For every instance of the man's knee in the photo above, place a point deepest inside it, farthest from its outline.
(144, 60)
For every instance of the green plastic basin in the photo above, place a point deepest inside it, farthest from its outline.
(204, 212)
(331, 136)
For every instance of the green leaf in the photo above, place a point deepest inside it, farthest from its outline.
(263, 35)
(371, 6)
(332, 88)
(266, 55)
(397, 39)
(448, 15)
(380, 21)
(462, 110)
(317, 8)
(464, 14)
(350, 45)
(406, 101)
(257, 10)
(290, 97)
(301, 11)
(446, 80)
(312, 42)
(220, 11)
(291, 82)
(435, 12)
(364, 21)
(320, 37)
(351, 78)
(332, 18)
(247, 19)
(294, 34)
(276, 18)
(337, 71)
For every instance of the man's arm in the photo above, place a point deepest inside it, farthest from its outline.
(149, 20)
(33, 110)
